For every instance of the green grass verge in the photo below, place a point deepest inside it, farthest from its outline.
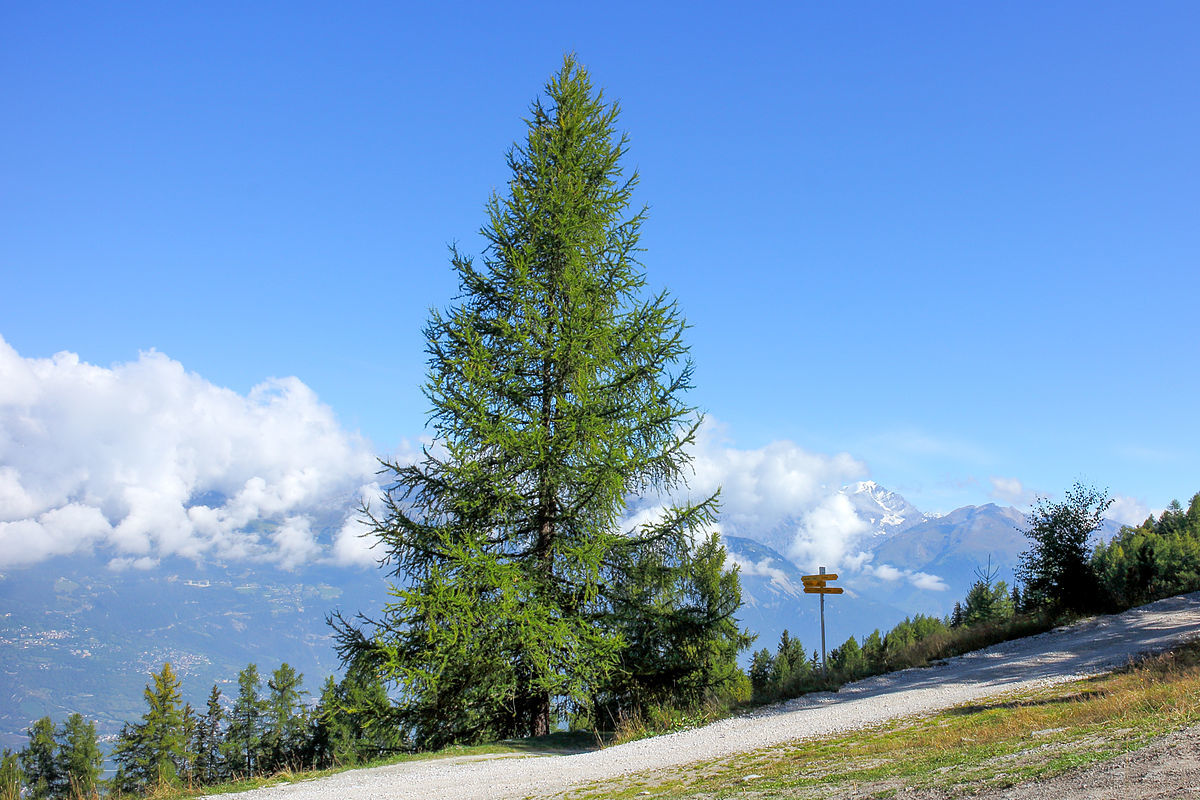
(994, 743)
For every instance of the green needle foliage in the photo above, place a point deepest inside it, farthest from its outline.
(557, 389)
(79, 757)
(206, 744)
(148, 753)
(283, 739)
(11, 776)
(39, 761)
(243, 737)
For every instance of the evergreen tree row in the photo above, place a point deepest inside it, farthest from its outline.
(268, 728)
(1159, 558)
(58, 762)
(791, 671)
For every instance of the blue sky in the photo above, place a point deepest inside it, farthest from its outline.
(957, 243)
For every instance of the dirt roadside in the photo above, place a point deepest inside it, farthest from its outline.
(1166, 769)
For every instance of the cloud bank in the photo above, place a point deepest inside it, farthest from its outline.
(780, 494)
(145, 460)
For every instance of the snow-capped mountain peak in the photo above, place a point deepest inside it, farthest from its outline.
(886, 511)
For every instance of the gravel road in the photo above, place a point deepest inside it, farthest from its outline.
(1060, 655)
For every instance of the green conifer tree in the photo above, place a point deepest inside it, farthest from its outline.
(209, 765)
(680, 638)
(40, 762)
(760, 671)
(148, 752)
(283, 737)
(847, 660)
(873, 652)
(79, 757)
(185, 762)
(557, 390)
(243, 735)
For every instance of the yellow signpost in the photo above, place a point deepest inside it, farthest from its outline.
(817, 584)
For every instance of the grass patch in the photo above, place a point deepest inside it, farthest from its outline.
(997, 743)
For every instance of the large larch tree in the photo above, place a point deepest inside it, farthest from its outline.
(557, 385)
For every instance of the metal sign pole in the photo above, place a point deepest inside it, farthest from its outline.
(819, 584)
(824, 672)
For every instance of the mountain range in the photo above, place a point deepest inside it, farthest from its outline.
(78, 636)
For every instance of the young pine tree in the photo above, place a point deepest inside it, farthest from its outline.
(680, 638)
(283, 737)
(760, 672)
(40, 762)
(185, 762)
(243, 735)
(206, 743)
(557, 390)
(847, 660)
(79, 757)
(148, 752)
(354, 721)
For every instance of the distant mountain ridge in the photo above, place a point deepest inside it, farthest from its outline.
(906, 562)
(78, 636)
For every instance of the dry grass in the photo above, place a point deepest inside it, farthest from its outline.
(997, 742)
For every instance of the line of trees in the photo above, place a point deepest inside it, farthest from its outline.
(265, 730)
(63, 761)
(1066, 570)
(791, 671)
(1159, 558)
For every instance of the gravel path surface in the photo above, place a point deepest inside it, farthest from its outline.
(1060, 655)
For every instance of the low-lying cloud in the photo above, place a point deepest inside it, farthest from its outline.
(780, 494)
(145, 460)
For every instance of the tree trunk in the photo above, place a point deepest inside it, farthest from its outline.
(541, 716)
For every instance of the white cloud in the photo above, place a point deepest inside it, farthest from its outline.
(780, 494)
(145, 460)
(1128, 511)
(886, 572)
(353, 544)
(764, 568)
(1011, 491)
(890, 574)
(932, 583)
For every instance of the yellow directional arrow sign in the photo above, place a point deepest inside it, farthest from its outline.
(818, 584)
